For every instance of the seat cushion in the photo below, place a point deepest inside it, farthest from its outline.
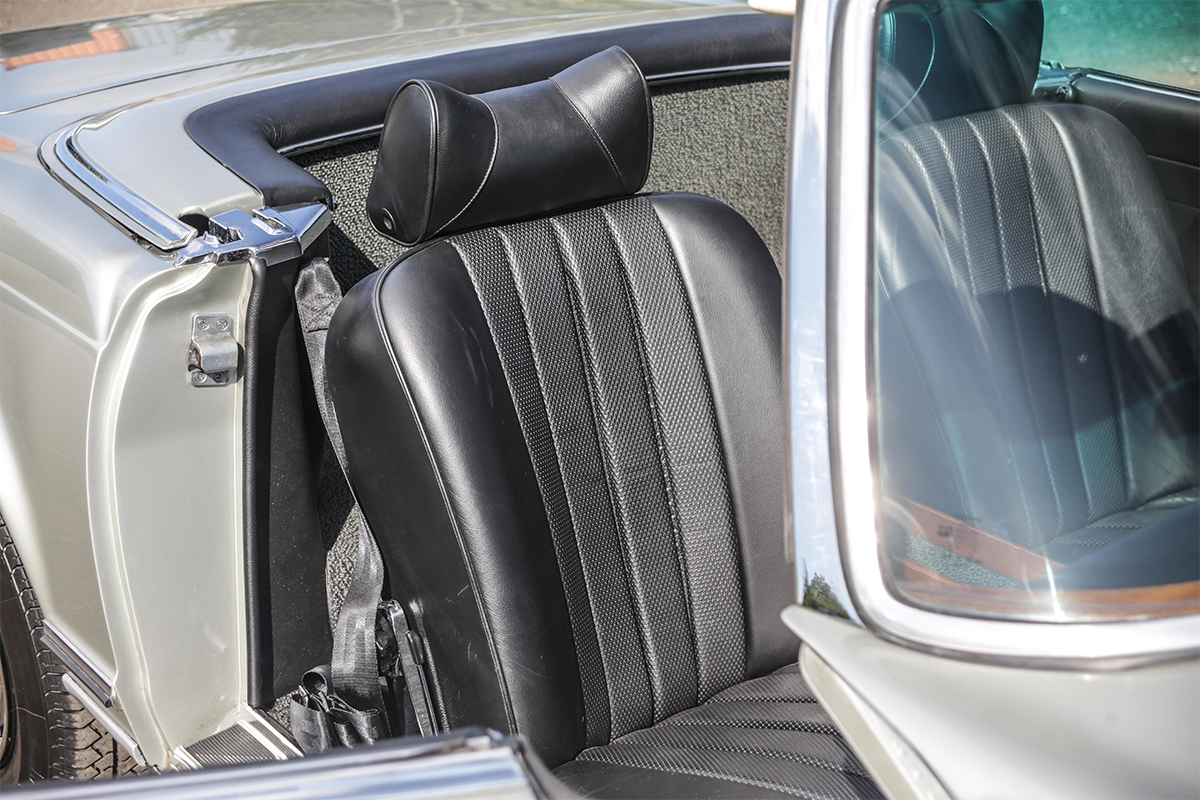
(1106, 530)
(766, 737)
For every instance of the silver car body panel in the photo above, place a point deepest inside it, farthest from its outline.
(987, 731)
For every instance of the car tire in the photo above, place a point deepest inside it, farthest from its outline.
(46, 733)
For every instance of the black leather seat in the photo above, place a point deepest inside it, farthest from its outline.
(563, 422)
(1038, 342)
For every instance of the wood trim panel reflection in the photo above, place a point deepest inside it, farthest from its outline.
(1078, 605)
(974, 544)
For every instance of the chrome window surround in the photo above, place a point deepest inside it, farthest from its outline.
(830, 213)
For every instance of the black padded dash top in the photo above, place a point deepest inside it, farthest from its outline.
(450, 161)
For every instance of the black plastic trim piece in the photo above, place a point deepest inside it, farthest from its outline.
(246, 132)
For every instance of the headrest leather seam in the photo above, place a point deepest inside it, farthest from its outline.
(612, 162)
(434, 142)
(487, 173)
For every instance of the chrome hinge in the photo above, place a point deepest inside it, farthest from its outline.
(213, 353)
(274, 236)
(1056, 83)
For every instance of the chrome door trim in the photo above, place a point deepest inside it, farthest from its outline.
(101, 189)
(842, 236)
(809, 510)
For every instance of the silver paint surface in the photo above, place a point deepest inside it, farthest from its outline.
(989, 731)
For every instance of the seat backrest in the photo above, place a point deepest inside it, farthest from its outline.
(565, 430)
(1036, 338)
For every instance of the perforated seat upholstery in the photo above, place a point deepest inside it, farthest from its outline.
(565, 432)
(1038, 340)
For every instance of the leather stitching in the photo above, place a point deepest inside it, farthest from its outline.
(668, 478)
(612, 162)
(582, 648)
(1019, 476)
(487, 174)
(1052, 476)
(434, 149)
(589, 368)
(956, 470)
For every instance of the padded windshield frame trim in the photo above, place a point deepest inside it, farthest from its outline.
(246, 133)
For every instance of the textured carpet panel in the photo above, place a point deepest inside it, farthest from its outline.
(726, 139)
(594, 331)
(765, 734)
(721, 138)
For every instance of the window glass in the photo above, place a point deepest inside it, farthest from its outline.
(1035, 359)
(1158, 40)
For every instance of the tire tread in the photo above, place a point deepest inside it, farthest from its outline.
(80, 747)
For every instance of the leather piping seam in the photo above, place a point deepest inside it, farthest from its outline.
(649, 116)
(663, 463)
(558, 464)
(719, 440)
(704, 773)
(587, 358)
(612, 162)
(435, 149)
(377, 307)
(1055, 324)
(906, 144)
(997, 214)
(487, 174)
(1113, 384)
(1060, 498)
(821, 728)
(762, 752)
(576, 625)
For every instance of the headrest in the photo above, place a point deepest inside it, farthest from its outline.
(449, 161)
(943, 59)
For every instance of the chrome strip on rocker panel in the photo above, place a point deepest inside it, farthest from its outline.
(84, 670)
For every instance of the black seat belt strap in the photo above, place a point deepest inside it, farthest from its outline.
(344, 703)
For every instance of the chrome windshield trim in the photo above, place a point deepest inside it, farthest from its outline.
(1141, 83)
(809, 508)
(127, 207)
(839, 238)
